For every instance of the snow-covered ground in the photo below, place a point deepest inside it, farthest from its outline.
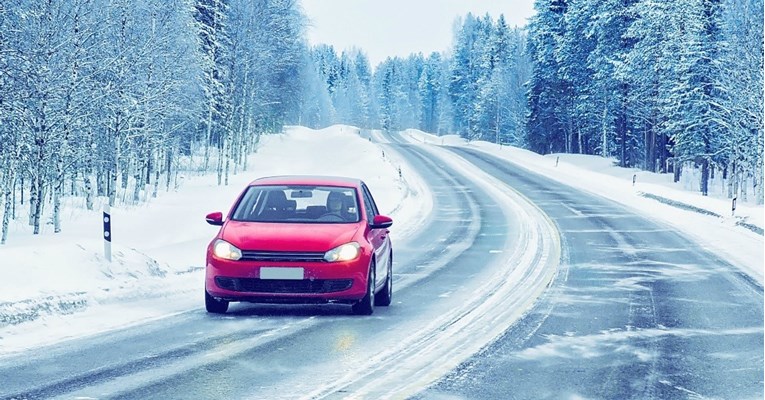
(708, 220)
(60, 286)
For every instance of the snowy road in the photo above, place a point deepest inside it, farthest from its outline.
(637, 312)
(575, 296)
(467, 274)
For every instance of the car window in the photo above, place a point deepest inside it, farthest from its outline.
(295, 204)
(369, 203)
(246, 205)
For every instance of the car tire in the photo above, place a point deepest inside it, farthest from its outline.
(366, 306)
(385, 296)
(214, 306)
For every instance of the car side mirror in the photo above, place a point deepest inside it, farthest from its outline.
(215, 218)
(381, 222)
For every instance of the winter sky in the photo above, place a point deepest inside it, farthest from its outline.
(400, 27)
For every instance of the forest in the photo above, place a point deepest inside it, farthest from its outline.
(112, 98)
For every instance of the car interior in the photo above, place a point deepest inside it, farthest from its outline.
(274, 206)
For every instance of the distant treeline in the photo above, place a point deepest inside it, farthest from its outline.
(655, 85)
(99, 97)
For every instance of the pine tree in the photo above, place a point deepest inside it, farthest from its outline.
(741, 80)
(548, 93)
(316, 108)
(463, 88)
(648, 69)
(695, 96)
(430, 85)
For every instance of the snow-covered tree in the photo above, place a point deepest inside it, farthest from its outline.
(430, 86)
(548, 93)
(741, 80)
(464, 75)
(316, 110)
(649, 69)
(695, 96)
(111, 90)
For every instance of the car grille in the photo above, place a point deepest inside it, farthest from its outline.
(283, 285)
(290, 256)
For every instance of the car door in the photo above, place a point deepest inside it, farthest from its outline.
(377, 237)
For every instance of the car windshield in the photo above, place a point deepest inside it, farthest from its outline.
(312, 204)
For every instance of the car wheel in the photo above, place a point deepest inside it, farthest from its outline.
(385, 296)
(366, 306)
(215, 306)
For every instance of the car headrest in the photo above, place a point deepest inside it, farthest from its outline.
(276, 199)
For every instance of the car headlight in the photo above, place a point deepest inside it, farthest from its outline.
(225, 250)
(347, 252)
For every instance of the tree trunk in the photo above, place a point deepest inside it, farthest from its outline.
(32, 199)
(227, 151)
(744, 186)
(704, 177)
(13, 203)
(155, 190)
(138, 177)
(663, 159)
(208, 136)
(728, 177)
(221, 147)
(757, 181)
(247, 143)
(8, 184)
(38, 210)
(88, 179)
(168, 167)
(604, 144)
(112, 175)
(569, 134)
(57, 188)
(146, 176)
(621, 131)
(127, 165)
(100, 183)
(651, 149)
(137, 188)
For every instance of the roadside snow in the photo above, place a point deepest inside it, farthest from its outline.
(60, 286)
(722, 234)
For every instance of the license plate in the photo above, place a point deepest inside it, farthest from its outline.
(281, 273)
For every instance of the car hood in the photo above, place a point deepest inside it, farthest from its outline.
(287, 237)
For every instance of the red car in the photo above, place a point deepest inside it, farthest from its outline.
(301, 239)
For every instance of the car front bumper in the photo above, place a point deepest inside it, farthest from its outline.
(292, 282)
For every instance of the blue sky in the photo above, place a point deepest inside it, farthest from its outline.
(400, 27)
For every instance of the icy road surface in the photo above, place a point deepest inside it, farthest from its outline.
(477, 263)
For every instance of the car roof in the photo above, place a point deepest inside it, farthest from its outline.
(313, 180)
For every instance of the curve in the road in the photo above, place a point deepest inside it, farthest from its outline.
(289, 352)
(638, 312)
(524, 271)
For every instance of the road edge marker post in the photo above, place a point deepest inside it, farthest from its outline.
(733, 208)
(107, 233)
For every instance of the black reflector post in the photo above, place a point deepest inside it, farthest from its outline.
(733, 208)
(107, 233)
